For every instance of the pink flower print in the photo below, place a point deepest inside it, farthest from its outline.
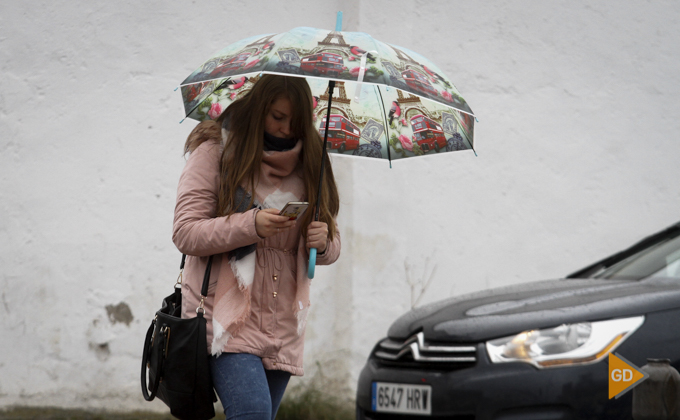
(215, 111)
(354, 72)
(232, 96)
(406, 143)
(403, 121)
(446, 95)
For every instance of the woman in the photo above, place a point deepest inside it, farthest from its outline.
(261, 153)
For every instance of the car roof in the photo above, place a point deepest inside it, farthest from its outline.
(669, 232)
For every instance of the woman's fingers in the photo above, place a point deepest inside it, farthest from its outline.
(268, 223)
(317, 236)
(276, 219)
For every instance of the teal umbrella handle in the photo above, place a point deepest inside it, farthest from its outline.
(312, 263)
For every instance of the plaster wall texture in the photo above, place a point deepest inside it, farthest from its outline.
(578, 157)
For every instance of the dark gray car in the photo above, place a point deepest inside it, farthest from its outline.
(531, 351)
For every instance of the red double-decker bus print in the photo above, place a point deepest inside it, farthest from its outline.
(231, 63)
(328, 64)
(418, 82)
(427, 133)
(343, 134)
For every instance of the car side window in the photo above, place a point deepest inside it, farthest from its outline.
(660, 260)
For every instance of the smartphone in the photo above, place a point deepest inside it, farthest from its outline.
(294, 209)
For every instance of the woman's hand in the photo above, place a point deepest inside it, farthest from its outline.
(317, 236)
(268, 223)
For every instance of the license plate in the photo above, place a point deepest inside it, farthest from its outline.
(402, 398)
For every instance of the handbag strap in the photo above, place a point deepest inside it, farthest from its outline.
(150, 395)
(206, 280)
(206, 283)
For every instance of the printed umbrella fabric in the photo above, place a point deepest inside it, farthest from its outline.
(403, 106)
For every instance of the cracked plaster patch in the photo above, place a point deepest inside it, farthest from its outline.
(119, 313)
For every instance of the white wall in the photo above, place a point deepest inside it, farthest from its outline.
(578, 157)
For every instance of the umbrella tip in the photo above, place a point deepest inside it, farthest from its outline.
(176, 88)
(338, 22)
(182, 120)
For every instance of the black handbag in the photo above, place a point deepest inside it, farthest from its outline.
(176, 357)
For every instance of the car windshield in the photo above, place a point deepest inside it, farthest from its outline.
(659, 261)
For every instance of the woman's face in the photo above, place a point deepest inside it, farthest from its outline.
(277, 121)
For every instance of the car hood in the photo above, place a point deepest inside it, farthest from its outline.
(509, 310)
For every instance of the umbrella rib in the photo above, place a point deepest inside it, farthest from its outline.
(377, 87)
(471, 146)
(465, 136)
(387, 131)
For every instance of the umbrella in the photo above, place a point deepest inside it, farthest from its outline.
(371, 99)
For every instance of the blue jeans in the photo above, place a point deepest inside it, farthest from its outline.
(247, 391)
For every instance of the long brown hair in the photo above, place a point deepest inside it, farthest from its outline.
(242, 154)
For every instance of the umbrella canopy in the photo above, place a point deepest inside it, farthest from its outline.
(389, 102)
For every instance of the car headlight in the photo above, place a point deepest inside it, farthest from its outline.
(566, 345)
